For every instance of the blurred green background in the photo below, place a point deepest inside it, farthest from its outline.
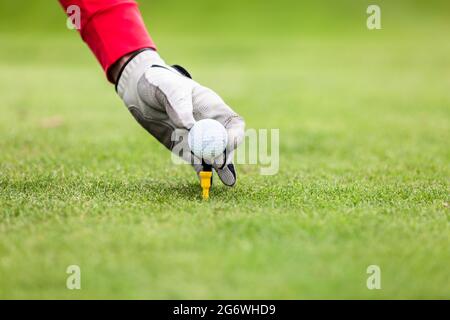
(364, 178)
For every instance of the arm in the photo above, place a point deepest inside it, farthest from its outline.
(112, 29)
(162, 99)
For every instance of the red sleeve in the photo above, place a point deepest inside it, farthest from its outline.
(111, 28)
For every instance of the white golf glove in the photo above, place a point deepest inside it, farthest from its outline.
(163, 98)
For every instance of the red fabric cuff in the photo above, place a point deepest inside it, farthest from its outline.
(112, 29)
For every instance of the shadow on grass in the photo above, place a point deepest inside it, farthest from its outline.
(182, 191)
(168, 191)
(108, 189)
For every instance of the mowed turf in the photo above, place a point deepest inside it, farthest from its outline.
(364, 171)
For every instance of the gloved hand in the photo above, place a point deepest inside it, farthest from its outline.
(163, 98)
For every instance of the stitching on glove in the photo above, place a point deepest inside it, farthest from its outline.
(154, 127)
(230, 118)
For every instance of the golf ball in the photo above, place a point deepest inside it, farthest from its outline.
(207, 139)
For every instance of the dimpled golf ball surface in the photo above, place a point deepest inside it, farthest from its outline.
(208, 139)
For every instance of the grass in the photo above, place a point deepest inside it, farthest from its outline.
(364, 161)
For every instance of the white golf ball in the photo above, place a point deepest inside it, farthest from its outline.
(208, 139)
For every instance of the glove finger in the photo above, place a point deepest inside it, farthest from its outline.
(236, 130)
(225, 169)
(209, 105)
(227, 174)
